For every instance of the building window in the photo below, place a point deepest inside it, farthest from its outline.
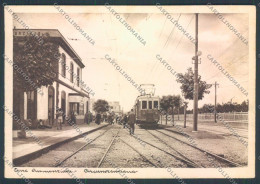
(71, 72)
(144, 104)
(78, 77)
(63, 63)
(81, 109)
(77, 107)
(31, 105)
(150, 104)
(155, 104)
(74, 107)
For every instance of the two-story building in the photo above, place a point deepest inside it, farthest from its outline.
(66, 92)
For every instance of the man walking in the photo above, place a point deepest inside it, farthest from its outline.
(131, 121)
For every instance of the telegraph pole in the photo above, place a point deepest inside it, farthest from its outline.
(215, 107)
(195, 92)
(185, 107)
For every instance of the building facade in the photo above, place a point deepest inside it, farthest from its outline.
(115, 107)
(66, 92)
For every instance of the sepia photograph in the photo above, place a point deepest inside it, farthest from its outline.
(129, 91)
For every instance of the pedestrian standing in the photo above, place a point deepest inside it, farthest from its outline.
(73, 118)
(109, 119)
(59, 114)
(98, 118)
(86, 119)
(125, 120)
(131, 121)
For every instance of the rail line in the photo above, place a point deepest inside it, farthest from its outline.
(231, 163)
(59, 163)
(108, 148)
(152, 163)
(110, 145)
(181, 154)
(189, 163)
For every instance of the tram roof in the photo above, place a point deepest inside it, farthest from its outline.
(147, 97)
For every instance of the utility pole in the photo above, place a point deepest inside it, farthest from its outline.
(172, 116)
(185, 107)
(215, 107)
(195, 92)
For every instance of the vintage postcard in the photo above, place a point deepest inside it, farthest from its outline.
(129, 92)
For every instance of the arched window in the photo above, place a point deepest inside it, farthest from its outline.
(63, 65)
(71, 72)
(78, 76)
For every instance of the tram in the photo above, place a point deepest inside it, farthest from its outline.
(147, 109)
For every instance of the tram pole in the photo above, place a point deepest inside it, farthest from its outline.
(195, 91)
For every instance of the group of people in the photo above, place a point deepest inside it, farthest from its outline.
(127, 120)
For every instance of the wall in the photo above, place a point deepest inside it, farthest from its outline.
(66, 79)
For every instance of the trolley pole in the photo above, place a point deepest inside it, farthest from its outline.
(195, 91)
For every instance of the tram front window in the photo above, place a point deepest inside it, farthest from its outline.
(150, 104)
(144, 104)
(155, 104)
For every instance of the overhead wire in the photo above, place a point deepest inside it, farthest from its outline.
(175, 49)
(164, 47)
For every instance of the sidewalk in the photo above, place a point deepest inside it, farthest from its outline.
(23, 149)
(211, 127)
(214, 138)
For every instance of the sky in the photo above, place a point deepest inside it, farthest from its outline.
(140, 62)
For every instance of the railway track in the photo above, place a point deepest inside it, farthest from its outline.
(108, 148)
(223, 161)
(116, 137)
(103, 160)
(30, 159)
(181, 158)
(144, 157)
(79, 149)
(181, 154)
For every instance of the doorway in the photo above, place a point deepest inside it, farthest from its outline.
(51, 105)
(63, 105)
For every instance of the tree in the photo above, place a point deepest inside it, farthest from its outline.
(38, 60)
(187, 85)
(225, 107)
(244, 106)
(165, 104)
(101, 106)
(35, 64)
(177, 102)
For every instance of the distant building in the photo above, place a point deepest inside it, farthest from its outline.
(115, 107)
(66, 92)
